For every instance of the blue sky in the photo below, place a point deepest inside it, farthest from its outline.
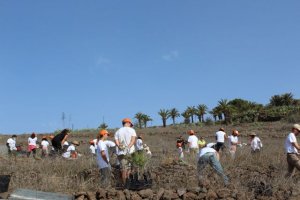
(91, 59)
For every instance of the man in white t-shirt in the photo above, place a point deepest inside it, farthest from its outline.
(208, 155)
(125, 140)
(291, 148)
(220, 138)
(11, 145)
(193, 143)
(103, 159)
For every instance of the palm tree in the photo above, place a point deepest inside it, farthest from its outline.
(139, 117)
(201, 111)
(226, 109)
(103, 126)
(164, 116)
(146, 119)
(186, 115)
(192, 110)
(173, 114)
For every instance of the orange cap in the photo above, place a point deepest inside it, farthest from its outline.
(191, 132)
(103, 132)
(127, 120)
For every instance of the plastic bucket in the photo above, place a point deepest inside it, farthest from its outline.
(4, 183)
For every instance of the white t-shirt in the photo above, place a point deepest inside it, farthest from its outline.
(66, 143)
(256, 144)
(45, 144)
(32, 141)
(102, 147)
(289, 148)
(220, 136)
(206, 150)
(109, 143)
(139, 144)
(67, 154)
(233, 139)
(124, 135)
(211, 144)
(92, 149)
(95, 142)
(193, 141)
(12, 144)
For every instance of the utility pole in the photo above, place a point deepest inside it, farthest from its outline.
(63, 117)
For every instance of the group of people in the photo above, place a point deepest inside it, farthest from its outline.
(126, 143)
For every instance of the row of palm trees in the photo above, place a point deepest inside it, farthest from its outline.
(238, 110)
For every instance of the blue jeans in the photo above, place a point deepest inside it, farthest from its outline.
(211, 159)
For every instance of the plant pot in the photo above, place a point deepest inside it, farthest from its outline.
(4, 183)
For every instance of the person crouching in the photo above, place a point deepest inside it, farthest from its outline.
(103, 159)
(209, 156)
(71, 152)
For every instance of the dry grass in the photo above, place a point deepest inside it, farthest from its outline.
(261, 174)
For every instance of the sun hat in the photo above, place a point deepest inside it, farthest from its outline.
(75, 143)
(127, 120)
(296, 126)
(253, 134)
(191, 132)
(103, 132)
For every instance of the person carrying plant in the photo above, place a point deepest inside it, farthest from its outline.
(103, 159)
(125, 140)
(291, 148)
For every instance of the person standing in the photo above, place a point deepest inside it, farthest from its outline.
(11, 146)
(193, 143)
(208, 155)
(92, 147)
(32, 145)
(255, 143)
(180, 152)
(59, 140)
(291, 148)
(45, 146)
(233, 142)
(139, 144)
(103, 159)
(125, 140)
(220, 138)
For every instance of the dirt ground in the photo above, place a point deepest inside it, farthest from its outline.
(251, 177)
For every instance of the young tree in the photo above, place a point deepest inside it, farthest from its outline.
(174, 114)
(164, 116)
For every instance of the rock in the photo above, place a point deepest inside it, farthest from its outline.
(135, 196)
(211, 195)
(127, 194)
(160, 193)
(169, 194)
(181, 191)
(101, 194)
(194, 189)
(223, 193)
(146, 193)
(78, 194)
(81, 197)
(112, 193)
(190, 196)
(121, 195)
(91, 196)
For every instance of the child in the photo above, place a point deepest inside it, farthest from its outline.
(92, 147)
(45, 145)
(180, 151)
(71, 151)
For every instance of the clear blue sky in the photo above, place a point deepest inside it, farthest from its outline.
(91, 59)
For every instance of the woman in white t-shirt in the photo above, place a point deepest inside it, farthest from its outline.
(233, 142)
(45, 147)
(92, 147)
(32, 140)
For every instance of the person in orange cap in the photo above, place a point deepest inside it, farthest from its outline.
(193, 143)
(103, 159)
(125, 139)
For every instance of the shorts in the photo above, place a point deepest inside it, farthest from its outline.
(219, 145)
(124, 162)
